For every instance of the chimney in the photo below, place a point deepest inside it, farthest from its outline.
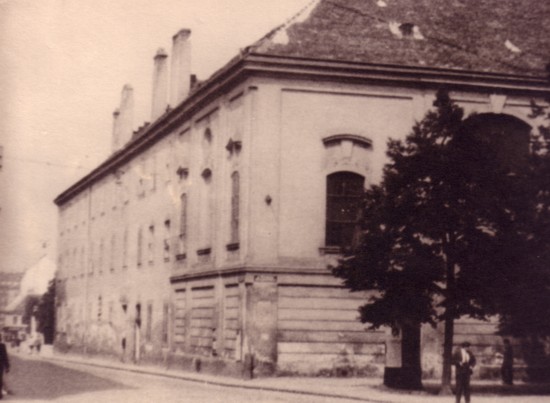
(126, 117)
(181, 67)
(116, 131)
(160, 85)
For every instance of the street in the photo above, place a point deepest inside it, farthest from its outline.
(36, 380)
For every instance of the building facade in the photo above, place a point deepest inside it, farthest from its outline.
(204, 239)
(9, 288)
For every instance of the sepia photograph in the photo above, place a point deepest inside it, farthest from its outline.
(288, 201)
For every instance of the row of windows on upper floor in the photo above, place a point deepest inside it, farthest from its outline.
(144, 177)
(343, 197)
(147, 241)
(71, 222)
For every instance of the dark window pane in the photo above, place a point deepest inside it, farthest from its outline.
(344, 190)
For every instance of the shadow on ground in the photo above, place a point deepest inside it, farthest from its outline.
(494, 389)
(41, 380)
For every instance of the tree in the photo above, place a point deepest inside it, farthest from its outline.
(521, 316)
(440, 234)
(45, 314)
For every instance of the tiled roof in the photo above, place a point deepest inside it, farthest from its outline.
(498, 36)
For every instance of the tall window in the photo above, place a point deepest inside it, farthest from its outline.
(113, 253)
(149, 326)
(139, 246)
(344, 190)
(165, 314)
(125, 249)
(151, 245)
(235, 208)
(101, 256)
(166, 241)
(183, 227)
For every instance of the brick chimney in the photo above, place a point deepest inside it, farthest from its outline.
(160, 85)
(126, 117)
(180, 76)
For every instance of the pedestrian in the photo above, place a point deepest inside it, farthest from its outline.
(464, 361)
(4, 365)
(507, 370)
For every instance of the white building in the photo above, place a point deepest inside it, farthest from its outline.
(207, 233)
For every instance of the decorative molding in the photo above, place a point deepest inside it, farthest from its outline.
(336, 138)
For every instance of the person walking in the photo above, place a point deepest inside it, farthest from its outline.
(4, 365)
(464, 361)
(507, 369)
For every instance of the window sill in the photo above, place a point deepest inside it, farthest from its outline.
(330, 250)
(232, 246)
(205, 251)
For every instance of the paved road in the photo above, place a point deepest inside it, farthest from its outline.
(36, 381)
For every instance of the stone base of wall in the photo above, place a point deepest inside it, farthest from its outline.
(209, 365)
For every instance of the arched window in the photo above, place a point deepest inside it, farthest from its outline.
(344, 191)
(504, 136)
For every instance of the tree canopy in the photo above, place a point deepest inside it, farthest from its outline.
(451, 228)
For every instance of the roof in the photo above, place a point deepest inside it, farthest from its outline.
(504, 38)
(497, 36)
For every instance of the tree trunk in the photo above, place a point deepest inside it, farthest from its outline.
(449, 329)
(411, 352)
(447, 354)
(409, 374)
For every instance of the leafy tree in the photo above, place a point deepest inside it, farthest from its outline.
(46, 314)
(524, 308)
(444, 232)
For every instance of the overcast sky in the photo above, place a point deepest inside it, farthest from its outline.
(62, 67)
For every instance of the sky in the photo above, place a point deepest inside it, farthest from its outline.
(63, 64)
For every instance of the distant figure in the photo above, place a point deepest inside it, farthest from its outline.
(464, 361)
(507, 369)
(4, 365)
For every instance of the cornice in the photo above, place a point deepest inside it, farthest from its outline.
(251, 64)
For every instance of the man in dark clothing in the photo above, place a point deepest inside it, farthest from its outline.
(464, 361)
(4, 364)
(508, 364)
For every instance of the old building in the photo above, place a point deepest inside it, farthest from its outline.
(9, 288)
(204, 238)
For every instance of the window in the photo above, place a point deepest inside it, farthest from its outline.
(139, 246)
(234, 240)
(344, 191)
(125, 249)
(113, 253)
(166, 241)
(183, 228)
(101, 255)
(165, 315)
(149, 326)
(151, 244)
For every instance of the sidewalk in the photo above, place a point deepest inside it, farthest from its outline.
(358, 389)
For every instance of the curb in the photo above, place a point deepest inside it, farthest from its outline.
(214, 382)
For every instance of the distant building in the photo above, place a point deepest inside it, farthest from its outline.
(9, 288)
(31, 285)
(206, 235)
